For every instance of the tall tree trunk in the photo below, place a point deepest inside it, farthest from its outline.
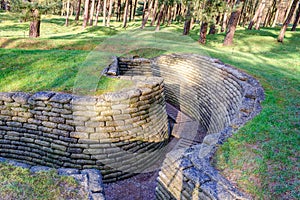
(160, 16)
(288, 8)
(270, 14)
(154, 12)
(144, 10)
(263, 4)
(287, 21)
(224, 23)
(224, 20)
(97, 12)
(243, 13)
(104, 12)
(170, 15)
(86, 13)
(296, 21)
(109, 12)
(203, 32)
(119, 11)
(233, 20)
(134, 9)
(175, 12)
(192, 23)
(92, 13)
(275, 18)
(125, 14)
(78, 10)
(165, 14)
(257, 14)
(34, 29)
(130, 9)
(187, 23)
(147, 13)
(67, 16)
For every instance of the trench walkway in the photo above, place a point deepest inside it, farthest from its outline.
(185, 132)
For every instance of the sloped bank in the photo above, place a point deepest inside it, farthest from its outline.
(118, 133)
(221, 98)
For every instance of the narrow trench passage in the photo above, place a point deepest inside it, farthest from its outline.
(184, 132)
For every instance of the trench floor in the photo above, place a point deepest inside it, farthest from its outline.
(184, 132)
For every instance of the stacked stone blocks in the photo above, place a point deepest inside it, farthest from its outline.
(111, 132)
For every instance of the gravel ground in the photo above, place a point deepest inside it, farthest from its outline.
(139, 187)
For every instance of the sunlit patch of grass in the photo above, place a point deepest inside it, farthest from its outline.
(19, 183)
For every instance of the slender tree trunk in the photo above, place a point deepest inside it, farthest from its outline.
(119, 11)
(34, 29)
(104, 12)
(125, 14)
(134, 10)
(192, 23)
(257, 14)
(154, 12)
(97, 12)
(224, 23)
(109, 12)
(147, 13)
(86, 13)
(130, 9)
(160, 16)
(92, 13)
(170, 15)
(144, 10)
(243, 13)
(203, 32)
(263, 4)
(270, 13)
(233, 20)
(275, 18)
(165, 14)
(187, 23)
(67, 16)
(288, 8)
(224, 20)
(287, 21)
(78, 10)
(296, 21)
(175, 12)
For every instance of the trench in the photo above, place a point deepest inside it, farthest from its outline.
(203, 95)
(125, 133)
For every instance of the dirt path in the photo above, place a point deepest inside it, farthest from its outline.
(139, 187)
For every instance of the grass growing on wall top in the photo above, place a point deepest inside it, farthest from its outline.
(19, 183)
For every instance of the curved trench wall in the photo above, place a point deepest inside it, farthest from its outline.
(222, 99)
(113, 132)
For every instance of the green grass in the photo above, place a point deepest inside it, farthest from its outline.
(56, 59)
(262, 159)
(19, 183)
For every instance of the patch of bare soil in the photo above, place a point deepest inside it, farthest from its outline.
(138, 187)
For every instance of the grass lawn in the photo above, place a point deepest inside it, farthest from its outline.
(262, 159)
(19, 183)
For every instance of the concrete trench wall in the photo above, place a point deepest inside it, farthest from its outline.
(222, 99)
(113, 132)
